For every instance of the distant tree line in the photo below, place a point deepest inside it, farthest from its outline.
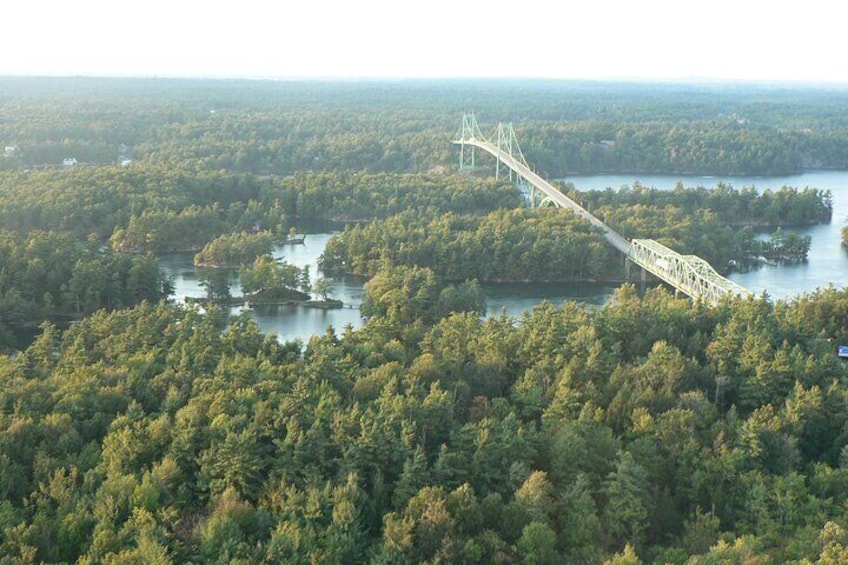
(361, 196)
(285, 128)
(158, 210)
(718, 224)
(788, 206)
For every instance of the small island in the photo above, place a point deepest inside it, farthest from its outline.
(781, 247)
(270, 281)
(235, 249)
(322, 288)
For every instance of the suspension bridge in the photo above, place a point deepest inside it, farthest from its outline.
(689, 274)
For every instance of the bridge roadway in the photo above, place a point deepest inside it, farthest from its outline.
(551, 192)
(687, 273)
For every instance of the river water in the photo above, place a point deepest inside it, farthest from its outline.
(827, 263)
(292, 322)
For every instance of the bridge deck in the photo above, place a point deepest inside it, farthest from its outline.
(687, 273)
(552, 192)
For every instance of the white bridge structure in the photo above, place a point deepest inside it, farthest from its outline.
(687, 273)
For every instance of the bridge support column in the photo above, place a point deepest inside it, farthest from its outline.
(466, 158)
(643, 281)
(627, 265)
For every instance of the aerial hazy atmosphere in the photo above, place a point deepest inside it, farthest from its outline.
(651, 39)
(435, 282)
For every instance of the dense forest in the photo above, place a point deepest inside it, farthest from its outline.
(556, 245)
(53, 218)
(504, 245)
(160, 210)
(268, 127)
(44, 275)
(716, 224)
(649, 430)
(787, 206)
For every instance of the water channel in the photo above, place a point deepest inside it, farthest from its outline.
(827, 263)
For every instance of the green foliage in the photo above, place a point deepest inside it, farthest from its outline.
(628, 501)
(152, 434)
(46, 275)
(217, 284)
(402, 296)
(362, 197)
(166, 230)
(269, 278)
(505, 245)
(322, 287)
(537, 545)
(236, 249)
(707, 222)
(647, 430)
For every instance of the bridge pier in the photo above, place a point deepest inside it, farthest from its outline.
(466, 159)
(643, 274)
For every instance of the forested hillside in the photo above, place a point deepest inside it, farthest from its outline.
(649, 430)
(689, 434)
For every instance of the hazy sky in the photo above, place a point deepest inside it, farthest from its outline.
(739, 39)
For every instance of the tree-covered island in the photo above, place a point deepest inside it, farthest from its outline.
(554, 245)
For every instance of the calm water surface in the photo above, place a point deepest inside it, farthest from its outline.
(288, 322)
(827, 263)
(293, 322)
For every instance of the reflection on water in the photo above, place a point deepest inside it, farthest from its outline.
(287, 321)
(298, 322)
(827, 263)
(515, 299)
(291, 322)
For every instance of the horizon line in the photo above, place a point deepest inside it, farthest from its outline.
(447, 78)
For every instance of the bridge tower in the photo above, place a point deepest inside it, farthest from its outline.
(470, 137)
(508, 143)
(469, 131)
(685, 273)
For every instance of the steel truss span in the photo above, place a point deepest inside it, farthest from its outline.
(687, 273)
